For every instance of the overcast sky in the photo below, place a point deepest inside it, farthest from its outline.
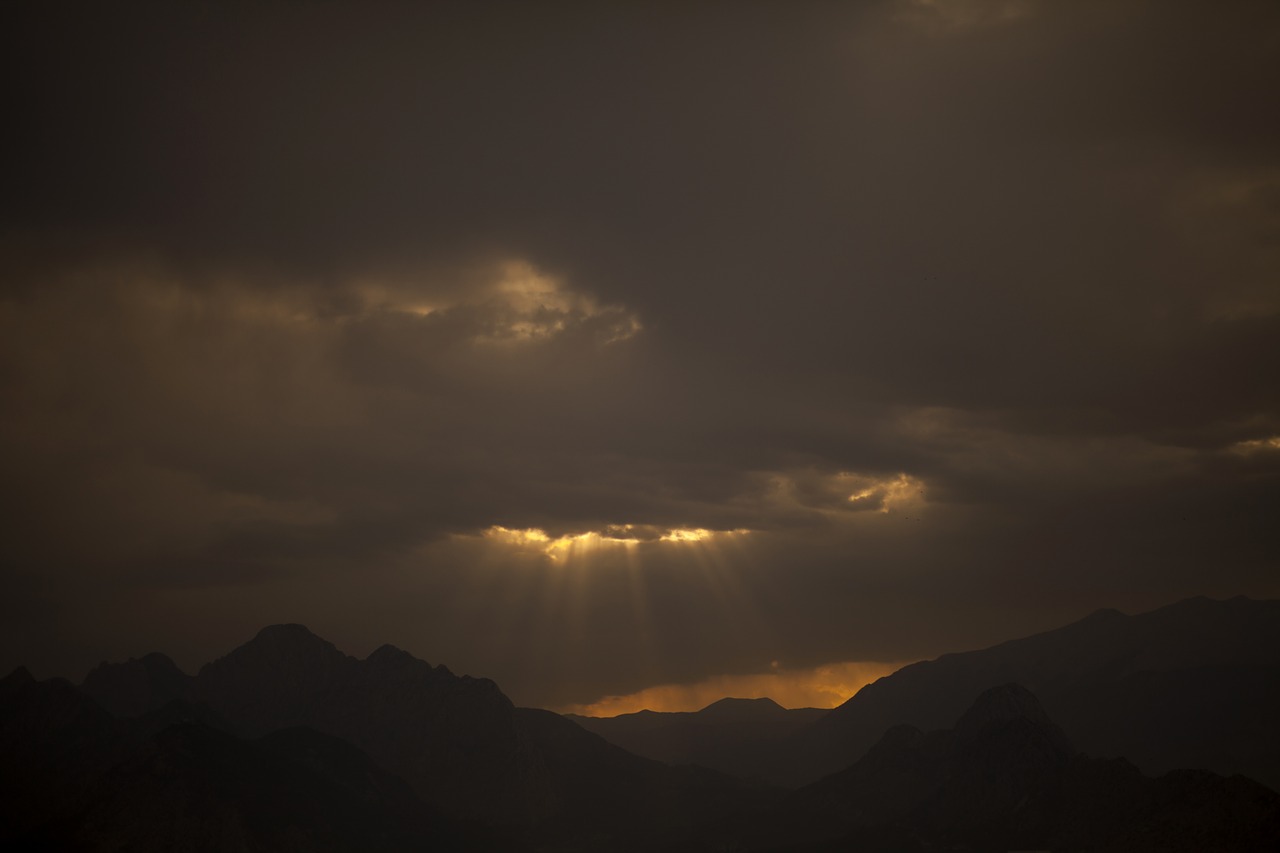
(593, 347)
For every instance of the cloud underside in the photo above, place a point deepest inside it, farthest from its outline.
(633, 347)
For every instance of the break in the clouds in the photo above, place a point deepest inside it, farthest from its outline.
(600, 348)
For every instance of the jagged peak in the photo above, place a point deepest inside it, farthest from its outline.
(154, 660)
(1004, 704)
(281, 643)
(20, 675)
(291, 636)
(389, 654)
(1202, 603)
(1105, 614)
(999, 704)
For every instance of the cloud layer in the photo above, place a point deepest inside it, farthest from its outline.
(593, 348)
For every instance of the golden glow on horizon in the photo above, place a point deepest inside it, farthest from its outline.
(612, 536)
(818, 687)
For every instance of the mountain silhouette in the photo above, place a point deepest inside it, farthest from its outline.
(55, 745)
(730, 735)
(136, 686)
(460, 744)
(1006, 777)
(194, 787)
(1192, 685)
(287, 744)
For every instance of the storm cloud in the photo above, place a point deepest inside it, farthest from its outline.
(594, 347)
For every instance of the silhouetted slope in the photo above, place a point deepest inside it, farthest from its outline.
(997, 774)
(180, 711)
(457, 740)
(733, 736)
(453, 738)
(72, 777)
(55, 744)
(194, 788)
(1195, 684)
(138, 685)
(286, 743)
(1005, 777)
(283, 677)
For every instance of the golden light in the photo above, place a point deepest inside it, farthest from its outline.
(816, 687)
(515, 303)
(1257, 445)
(890, 493)
(536, 307)
(609, 537)
(696, 534)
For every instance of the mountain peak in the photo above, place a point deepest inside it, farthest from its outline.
(288, 642)
(742, 709)
(17, 678)
(137, 686)
(734, 702)
(389, 654)
(158, 660)
(274, 680)
(1106, 614)
(1002, 705)
(286, 632)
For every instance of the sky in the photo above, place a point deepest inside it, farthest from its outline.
(619, 350)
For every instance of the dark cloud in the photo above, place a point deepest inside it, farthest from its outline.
(592, 347)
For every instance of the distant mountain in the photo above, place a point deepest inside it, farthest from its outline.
(72, 777)
(192, 787)
(138, 685)
(55, 745)
(731, 735)
(458, 741)
(288, 744)
(1192, 685)
(1006, 777)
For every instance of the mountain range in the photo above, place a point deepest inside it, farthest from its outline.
(1193, 684)
(287, 743)
(730, 735)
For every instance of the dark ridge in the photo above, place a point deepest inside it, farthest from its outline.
(289, 633)
(19, 676)
(283, 645)
(137, 686)
(735, 706)
(1006, 704)
(1003, 780)
(1192, 684)
(388, 653)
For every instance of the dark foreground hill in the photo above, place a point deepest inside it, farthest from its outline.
(457, 740)
(466, 756)
(730, 735)
(72, 777)
(1007, 778)
(1192, 685)
(287, 744)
